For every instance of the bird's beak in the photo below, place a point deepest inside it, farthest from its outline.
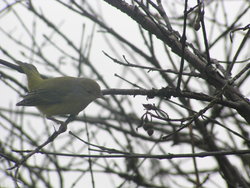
(102, 97)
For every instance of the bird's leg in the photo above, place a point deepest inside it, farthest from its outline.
(63, 126)
(55, 120)
(70, 118)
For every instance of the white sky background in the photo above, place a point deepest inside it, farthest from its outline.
(71, 25)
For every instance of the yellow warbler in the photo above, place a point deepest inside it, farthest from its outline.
(57, 96)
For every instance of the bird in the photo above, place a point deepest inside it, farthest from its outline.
(59, 95)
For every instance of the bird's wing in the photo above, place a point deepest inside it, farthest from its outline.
(53, 91)
(40, 97)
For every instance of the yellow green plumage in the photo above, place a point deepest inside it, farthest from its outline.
(57, 96)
